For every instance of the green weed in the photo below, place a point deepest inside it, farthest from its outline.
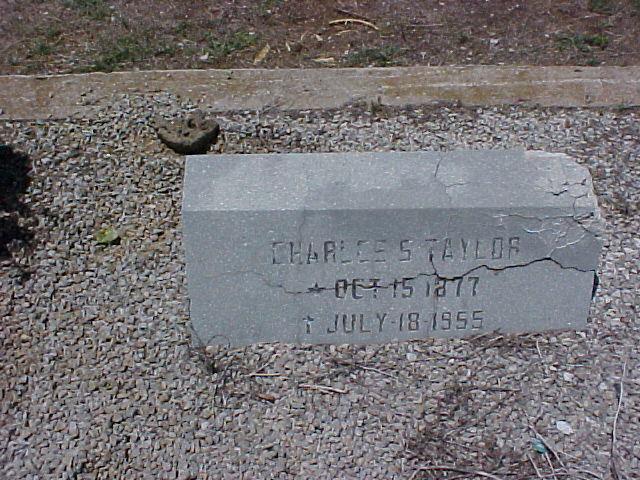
(52, 32)
(584, 43)
(182, 27)
(379, 56)
(231, 43)
(94, 9)
(266, 6)
(463, 38)
(122, 50)
(166, 49)
(45, 40)
(41, 48)
(601, 6)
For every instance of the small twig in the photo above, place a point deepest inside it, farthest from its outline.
(476, 337)
(353, 20)
(322, 388)
(589, 472)
(501, 389)
(614, 470)
(548, 445)
(553, 470)
(254, 374)
(445, 468)
(352, 14)
(535, 467)
(364, 367)
(377, 370)
(259, 369)
(490, 343)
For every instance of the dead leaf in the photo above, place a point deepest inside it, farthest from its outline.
(267, 397)
(107, 236)
(324, 60)
(262, 54)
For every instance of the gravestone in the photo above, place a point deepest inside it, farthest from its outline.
(379, 247)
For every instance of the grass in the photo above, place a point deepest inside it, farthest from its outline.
(44, 41)
(182, 27)
(379, 56)
(237, 41)
(93, 9)
(116, 53)
(601, 6)
(463, 38)
(52, 32)
(266, 6)
(122, 50)
(584, 43)
(41, 48)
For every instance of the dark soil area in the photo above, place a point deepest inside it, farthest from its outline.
(63, 36)
(14, 180)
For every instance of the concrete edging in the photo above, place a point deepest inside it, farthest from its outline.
(58, 96)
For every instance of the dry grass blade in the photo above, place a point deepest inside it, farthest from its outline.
(353, 20)
(322, 388)
(324, 60)
(613, 468)
(350, 13)
(535, 467)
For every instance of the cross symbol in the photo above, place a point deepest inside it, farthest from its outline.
(308, 319)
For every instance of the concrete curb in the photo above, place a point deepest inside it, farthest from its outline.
(58, 96)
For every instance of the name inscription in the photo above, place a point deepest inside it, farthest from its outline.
(381, 251)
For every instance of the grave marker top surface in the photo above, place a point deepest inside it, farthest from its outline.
(345, 181)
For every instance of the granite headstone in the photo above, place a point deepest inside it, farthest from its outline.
(379, 247)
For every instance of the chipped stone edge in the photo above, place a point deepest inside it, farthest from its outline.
(41, 97)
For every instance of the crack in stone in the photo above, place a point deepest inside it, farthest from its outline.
(588, 222)
(317, 289)
(566, 188)
(435, 174)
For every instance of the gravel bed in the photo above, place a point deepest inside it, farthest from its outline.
(99, 378)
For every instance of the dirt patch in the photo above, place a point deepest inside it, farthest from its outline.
(63, 36)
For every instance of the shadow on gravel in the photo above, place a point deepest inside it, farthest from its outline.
(14, 180)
